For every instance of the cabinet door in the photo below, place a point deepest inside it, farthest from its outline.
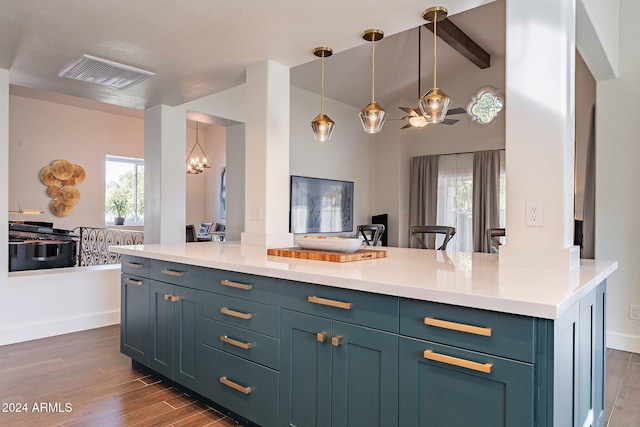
(365, 377)
(439, 393)
(134, 317)
(188, 315)
(305, 370)
(161, 313)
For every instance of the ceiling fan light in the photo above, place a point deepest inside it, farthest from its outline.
(434, 105)
(417, 121)
(322, 127)
(372, 117)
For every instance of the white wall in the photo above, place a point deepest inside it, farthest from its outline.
(465, 135)
(203, 204)
(58, 302)
(235, 182)
(348, 156)
(585, 98)
(45, 303)
(617, 182)
(40, 132)
(597, 37)
(217, 151)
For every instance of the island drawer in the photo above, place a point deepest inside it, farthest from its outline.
(489, 332)
(242, 386)
(246, 286)
(250, 345)
(177, 274)
(254, 316)
(360, 308)
(135, 265)
(449, 386)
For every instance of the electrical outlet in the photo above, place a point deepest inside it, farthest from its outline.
(634, 312)
(534, 214)
(255, 213)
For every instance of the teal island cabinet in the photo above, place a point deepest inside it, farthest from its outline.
(413, 339)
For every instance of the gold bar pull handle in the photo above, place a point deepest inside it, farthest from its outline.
(330, 302)
(321, 336)
(171, 298)
(236, 285)
(461, 327)
(243, 345)
(336, 341)
(133, 264)
(172, 272)
(463, 363)
(130, 281)
(244, 390)
(233, 313)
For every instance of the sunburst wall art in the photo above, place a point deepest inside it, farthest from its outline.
(61, 178)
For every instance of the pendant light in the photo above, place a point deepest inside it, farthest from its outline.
(322, 125)
(196, 165)
(435, 103)
(372, 116)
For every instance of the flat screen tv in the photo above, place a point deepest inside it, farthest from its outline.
(319, 205)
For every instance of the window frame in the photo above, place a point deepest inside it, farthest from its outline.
(136, 163)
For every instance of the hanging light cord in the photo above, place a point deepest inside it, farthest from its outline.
(435, 56)
(419, 59)
(373, 67)
(322, 87)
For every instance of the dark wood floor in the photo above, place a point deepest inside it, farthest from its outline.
(81, 379)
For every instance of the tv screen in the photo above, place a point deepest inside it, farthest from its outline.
(319, 205)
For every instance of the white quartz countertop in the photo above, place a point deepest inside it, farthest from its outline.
(459, 278)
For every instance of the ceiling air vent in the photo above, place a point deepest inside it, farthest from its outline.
(104, 72)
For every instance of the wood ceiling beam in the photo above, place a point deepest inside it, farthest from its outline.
(457, 39)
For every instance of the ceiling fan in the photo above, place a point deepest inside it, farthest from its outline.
(414, 118)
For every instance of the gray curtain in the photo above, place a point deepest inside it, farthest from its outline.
(486, 196)
(423, 192)
(589, 208)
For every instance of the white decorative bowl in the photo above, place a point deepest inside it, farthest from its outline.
(337, 244)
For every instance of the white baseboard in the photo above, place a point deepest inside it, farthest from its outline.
(623, 342)
(32, 331)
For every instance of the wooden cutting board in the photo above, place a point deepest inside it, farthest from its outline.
(359, 255)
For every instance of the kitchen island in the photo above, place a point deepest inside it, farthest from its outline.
(419, 337)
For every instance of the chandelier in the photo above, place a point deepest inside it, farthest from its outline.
(197, 164)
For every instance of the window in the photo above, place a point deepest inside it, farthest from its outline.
(455, 198)
(124, 191)
(485, 106)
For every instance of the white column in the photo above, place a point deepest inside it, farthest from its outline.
(165, 130)
(4, 167)
(267, 156)
(539, 87)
